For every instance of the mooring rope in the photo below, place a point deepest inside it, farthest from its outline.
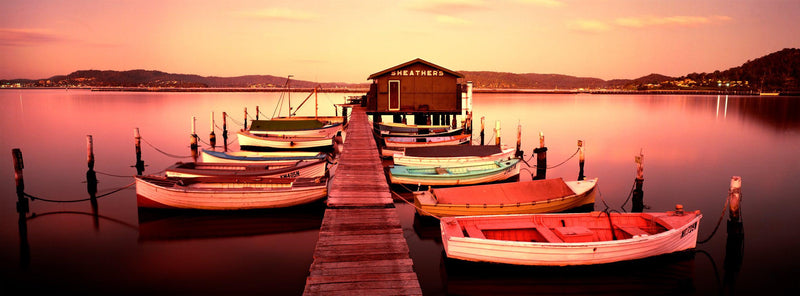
(79, 200)
(113, 175)
(162, 152)
(555, 166)
(413, 205)
(239, 123)
(633, 187)
(34, 216)
(722, 215)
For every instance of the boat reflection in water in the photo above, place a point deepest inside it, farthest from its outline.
(671, 274)
(159, 224)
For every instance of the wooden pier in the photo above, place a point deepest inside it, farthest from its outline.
(361, 249)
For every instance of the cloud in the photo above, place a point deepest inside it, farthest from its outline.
(680, 20)
(451, 20)
(16, 37)
(588, 26)
(446, 6)
(280, 14)
(544, 3)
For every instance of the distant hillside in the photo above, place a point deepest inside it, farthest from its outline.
(778, 71)
(150, 78)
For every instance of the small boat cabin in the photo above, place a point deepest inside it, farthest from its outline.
(429, 92)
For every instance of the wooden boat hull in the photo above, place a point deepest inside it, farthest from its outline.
(248, 194)
(285, 157)
(550, 244)
(455, 175)
(407, 128)
(295, 169)
(401, 158)
(248, 141)
(406, 142)
(427, 133)
(427, 204)
(325, 131)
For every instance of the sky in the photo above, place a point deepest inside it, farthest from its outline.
(346, 40)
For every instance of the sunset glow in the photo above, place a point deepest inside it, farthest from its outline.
(345, 41)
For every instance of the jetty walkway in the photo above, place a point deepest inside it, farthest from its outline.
(361, 249)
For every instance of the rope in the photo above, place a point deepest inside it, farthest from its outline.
(565, 161)
(162, 152)
(79, 200)
(413, 205)
(239, 123)
(112, 175)
(34, 216)
(633, 187)
(722, 215)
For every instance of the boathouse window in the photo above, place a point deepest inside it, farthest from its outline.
(394, 94)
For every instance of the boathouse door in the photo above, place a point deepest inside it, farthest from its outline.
(394, 94)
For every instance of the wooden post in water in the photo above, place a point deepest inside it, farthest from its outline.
(137, 142)
(91, 176)
(396, 118)
(735, 199)
(257, 112)
(225, 130)
(344, 116)
(497, 132)
(581, 159)
(19, 180)
(245, 118)
(212, 138)
(734, 244)
(193, 144)
(638, 193)
(483, 125)
(519, 152)
(22, 210)
(541, 159)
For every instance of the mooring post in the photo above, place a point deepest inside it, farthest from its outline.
(257, 112)
(91, 176)
(483, 125)
(212, 138)
(541, 159)
(638, 193)
(344, 115)
(734, 244)
(19, 180)
(225, 130)
(396, 118)
(519, 152)
(581, 159)
(405, 121)
(497, 132)
(245, 118)
(137, 140)
(193, 144)
(455, 121)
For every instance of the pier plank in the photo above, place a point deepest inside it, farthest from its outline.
(361, 249)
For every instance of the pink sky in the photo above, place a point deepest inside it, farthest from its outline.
(346, 41)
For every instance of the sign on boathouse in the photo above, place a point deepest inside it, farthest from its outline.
(416, 86)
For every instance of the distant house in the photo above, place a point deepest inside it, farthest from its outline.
(418, 88)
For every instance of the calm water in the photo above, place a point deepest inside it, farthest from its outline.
(692, 147)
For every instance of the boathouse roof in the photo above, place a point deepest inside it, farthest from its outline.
(418, 60)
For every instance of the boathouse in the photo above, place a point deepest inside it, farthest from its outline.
(429, 92)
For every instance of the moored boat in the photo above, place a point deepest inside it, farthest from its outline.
(426, 133)
(227, 193)
(569, 239)
(291, 169)
(290, 127)
(408, 128)
(527, 197)
(474, 173)
(249, 141)
(399, 144)
(275, 157)
(451, 155)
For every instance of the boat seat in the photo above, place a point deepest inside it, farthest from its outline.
(548, 234)
(632, 230)
(473, 231)
(442, 171)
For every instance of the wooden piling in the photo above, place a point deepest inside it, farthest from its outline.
(22, 210)
(497, 132)
(257, 112)
(245, 118)
(396, 118)
(519, 152)
(581, 159)
(91, 176)
(137, 140)
(193, 144)
(541, 159)
(19, 179)
(225, 130)
(638, 193)
(483, 125)
(735, 199)
(212, 138)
